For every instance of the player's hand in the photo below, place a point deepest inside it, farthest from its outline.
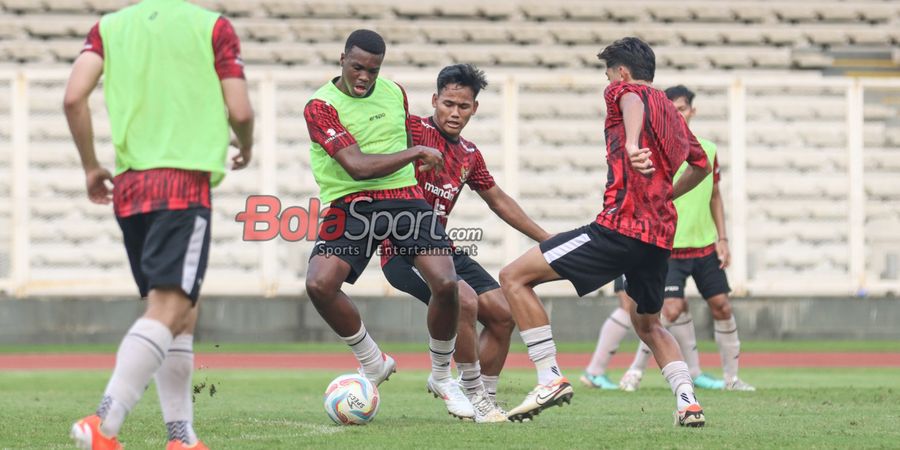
(640, 159)
(97, 190)
(431, 158)
(723, 253)
(242, 159)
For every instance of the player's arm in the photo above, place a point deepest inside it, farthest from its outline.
(240, 117)
(633, 117)
(506, 208)
(698, 167)
(717, 208)
(86, 72)
(364, 166)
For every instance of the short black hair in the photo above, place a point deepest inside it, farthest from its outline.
(366, 40)
(464, 75)
(632, 53)
(676, 92)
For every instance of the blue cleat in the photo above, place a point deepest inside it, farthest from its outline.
(704, 381)
(598, 381)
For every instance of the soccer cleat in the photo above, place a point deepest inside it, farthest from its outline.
(597, 381)
(543, 396)
(449, 391)
(178, 445)
(388, 367)
(486, 411)
(704, 381)
(87, 436)
(739, 385)
(631, 380)
(692, 416)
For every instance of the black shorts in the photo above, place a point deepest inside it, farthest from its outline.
(410, 224)
(709, 278)
(168, 249)
(592, 256)
(619, 284)
(404, 276)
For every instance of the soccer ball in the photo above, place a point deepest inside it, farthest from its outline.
(351, 400)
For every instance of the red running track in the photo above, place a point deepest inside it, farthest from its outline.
(338, 361)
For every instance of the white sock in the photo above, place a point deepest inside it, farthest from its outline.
(641, 358)
(683, 331)
(676, 373)
(729, 347)
(173, 383)
(366, 351)
(542, 352)
(470, 378)
(441, 353)
(613, 331)
(490, 384)
(140, 355)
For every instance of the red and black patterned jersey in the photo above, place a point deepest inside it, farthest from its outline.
(636, 205)
(325, 128)
(463, 165)
(144, 191)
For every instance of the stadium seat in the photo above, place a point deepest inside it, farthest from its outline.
(541, 160)
(713, 12)
(811, 60)
(414, 9)
(745, 36)
(784, 36)
(789, 12)
(574, 35)
(627, 12)
(466, 10)
(538, 10)
(105, 6)
(826, 35)
(586, 11)
(698, 36)
(497, 10)
(487, 34)
(285, 8)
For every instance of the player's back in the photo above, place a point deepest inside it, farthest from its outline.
(636, 205)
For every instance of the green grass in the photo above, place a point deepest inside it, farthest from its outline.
(794, 408)
(395, 347)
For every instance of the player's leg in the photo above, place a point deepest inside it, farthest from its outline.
(713, 285)
(646, 285)
(493, 313)
(681, 325)
(589, 258)
(401, 274)
(167, 251)
(173, 384)
(614, 329)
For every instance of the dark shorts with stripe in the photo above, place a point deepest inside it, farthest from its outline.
(168, 249)
(410, 224)
(709, 278)
(404, 276)
(592, 256)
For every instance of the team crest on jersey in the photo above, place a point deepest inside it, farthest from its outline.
(463, 175)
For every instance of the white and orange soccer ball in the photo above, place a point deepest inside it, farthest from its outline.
(351, 399)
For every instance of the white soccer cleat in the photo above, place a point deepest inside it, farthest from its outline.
(691, 416)
(449, 391)
(388, 367)
(486, 411)
(739, 385)
(631, 380)
(543, 396)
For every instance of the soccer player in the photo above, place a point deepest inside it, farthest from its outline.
(646, 141)
(700, 251)
(359, 155)
(173, 82)
(480, 295)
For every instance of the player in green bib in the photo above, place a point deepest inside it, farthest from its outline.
(174, 85)
(700, 251)
(363, 166)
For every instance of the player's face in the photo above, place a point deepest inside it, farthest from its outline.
(685, 108)
(359, 70)
(453, 107)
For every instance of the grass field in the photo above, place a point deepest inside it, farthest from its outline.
(794, 408)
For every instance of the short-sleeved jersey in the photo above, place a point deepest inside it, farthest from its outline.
(144, 191)
(463, 165)
(325, 128)
(636, 205)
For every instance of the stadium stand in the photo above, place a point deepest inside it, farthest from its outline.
(797, 163)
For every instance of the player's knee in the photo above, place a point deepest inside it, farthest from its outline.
(444, 290)
(671, 311)
(509, 278)
(720, 310)
(468, 306)
(317, 288)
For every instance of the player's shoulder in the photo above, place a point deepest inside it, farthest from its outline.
(468, 146)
